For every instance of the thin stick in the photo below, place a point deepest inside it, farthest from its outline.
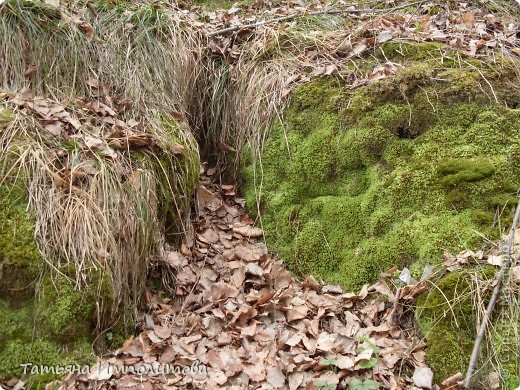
(299, 15)
(494, 297)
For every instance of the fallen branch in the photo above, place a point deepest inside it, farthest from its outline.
(491, 305)
(300, 14)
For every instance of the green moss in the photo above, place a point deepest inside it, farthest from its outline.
(388, 174)
(447, 319)
(6, 116)
(455, 171)
(18, 249)
(43, 320)
(178, 170)
(323, 94)
(73, 311)
(23, 341)
(505, 346)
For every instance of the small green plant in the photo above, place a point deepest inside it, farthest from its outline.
(398, 283)
(373, 359)
(367, 384)
(331, 362)
(322, 385)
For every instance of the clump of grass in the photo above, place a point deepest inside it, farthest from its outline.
(144, 54)
(112, 218)
(242, 100)
(96, 213)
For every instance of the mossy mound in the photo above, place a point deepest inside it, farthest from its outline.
(349, 192)
(392, 173)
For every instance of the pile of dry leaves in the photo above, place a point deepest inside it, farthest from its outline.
(239, 313)
(465, 27)
(95, 124)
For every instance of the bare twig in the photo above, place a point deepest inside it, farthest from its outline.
(394, 308)
(491, 305)
(301, 14)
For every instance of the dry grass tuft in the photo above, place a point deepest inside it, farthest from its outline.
(94, 211)
(99, 214)
(144, 54)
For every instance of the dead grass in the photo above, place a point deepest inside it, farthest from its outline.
(93, 212)
(143, 53)
(96, 214)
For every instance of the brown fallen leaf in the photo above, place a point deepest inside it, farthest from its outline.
(423, 377)
(55, 128)
(275, 376)
(248, 231)
(255, 372)
(454, 382)
(167, 355)
(297, 313)
(325, 341)
(311, 283)
(249, 253)
(265, 298)
(345, 362)
(207, 199)
(226, 148)
(238, 277)
(254, 269)
(162, 331)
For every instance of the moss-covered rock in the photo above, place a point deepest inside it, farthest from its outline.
(348, 192)
(395, 173)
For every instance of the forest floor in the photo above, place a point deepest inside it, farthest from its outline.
(247, 323)
(235, 316)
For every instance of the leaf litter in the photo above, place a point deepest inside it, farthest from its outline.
(464, 27)
(237, 311)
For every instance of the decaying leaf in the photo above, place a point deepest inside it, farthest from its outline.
(423, 377)
(239, 312)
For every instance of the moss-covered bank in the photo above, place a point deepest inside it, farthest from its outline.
(45, 317)
(43, 320)
(448, 319)
(348, 193)
(393, 172)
